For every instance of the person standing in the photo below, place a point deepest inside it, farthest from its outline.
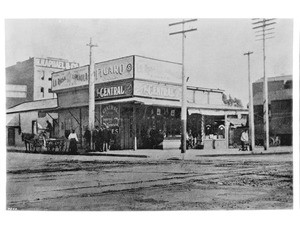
(244, 139)
(96, 138)
(87, 139)
(73, 142)
(106, 138)
(49, 129)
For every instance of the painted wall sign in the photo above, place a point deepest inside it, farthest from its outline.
(55, 63)
(113, 90)
(70, 78)
(156, 90)
(118, 69)
(111, 115)
(157, 70)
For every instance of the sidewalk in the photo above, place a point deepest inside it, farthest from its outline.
(176, 153)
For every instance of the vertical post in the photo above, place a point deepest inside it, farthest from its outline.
(266, 100)
(262, 25)
(183, 97)
(91, 91)
(251, 110)
(134, 128)
(183, 103)
(80, 124)
(202, 129)
(226, 131)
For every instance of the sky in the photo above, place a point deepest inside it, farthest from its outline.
(213, 54)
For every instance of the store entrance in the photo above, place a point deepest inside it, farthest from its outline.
(126, 128)
(11, 136)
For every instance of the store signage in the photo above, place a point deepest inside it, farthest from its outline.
(157, 70)
(156, 90)
(113, 90)
(111, 116)
(70, 78)
(118, 69)
(55, 63)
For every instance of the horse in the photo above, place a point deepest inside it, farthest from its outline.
(30, 138)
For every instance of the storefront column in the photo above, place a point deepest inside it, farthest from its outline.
(226, 131)
(80, 130)
(134, 128)
(202, 129)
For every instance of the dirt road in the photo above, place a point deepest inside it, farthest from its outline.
(45, 182)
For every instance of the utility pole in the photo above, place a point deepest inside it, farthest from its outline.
(251, 114)
(91, 91)
(184, 84)
(265, 31)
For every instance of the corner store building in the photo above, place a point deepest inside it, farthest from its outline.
(134, 94)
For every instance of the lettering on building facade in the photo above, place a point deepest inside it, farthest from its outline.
(70, 78)
(111, 116)
(112, 90)
(55, 63)
(157, 90)
(114, 70)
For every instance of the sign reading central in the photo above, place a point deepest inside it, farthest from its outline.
(113, 90)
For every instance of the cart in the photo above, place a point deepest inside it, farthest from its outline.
(53, 144)
(34, 144)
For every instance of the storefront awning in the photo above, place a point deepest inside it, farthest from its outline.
(143, 101)
(193, 108)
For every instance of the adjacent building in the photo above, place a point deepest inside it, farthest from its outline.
(30, 80)
(28, 91)
(280, 94)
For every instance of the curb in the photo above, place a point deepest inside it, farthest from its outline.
(80, 154)
(248, 154)
(147, 156)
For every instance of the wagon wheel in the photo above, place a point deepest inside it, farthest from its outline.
(61, 146)
(38, 146)
(31, 146)
(49, 146)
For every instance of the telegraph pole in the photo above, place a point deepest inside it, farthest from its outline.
(91, 91)
(265, 32)
(184, 84)
(251, 115)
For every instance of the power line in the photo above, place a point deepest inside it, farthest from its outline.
(184, 84)
(263, 25)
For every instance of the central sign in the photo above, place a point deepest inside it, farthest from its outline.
(113, 90)
(157, 90)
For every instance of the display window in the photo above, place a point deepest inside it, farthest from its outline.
(214, 127)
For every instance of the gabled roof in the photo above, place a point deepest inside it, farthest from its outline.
(33, 105)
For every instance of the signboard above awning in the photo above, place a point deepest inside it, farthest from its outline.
(206, 112)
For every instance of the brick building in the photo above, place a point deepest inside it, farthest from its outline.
(30, 80)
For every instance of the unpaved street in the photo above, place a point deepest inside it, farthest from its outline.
(53, 182)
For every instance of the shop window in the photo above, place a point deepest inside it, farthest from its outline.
(214, 127)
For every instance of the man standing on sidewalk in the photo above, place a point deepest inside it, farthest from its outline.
(244, 140)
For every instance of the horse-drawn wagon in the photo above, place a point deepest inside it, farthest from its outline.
(36, 143)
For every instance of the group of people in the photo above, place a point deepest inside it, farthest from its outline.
(101, 138)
